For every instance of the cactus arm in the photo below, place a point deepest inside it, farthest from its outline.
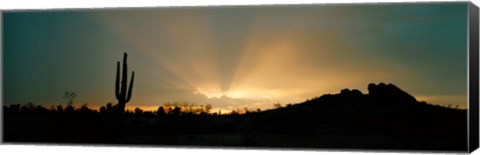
(130, 88)
(117, 91)
(124, 78)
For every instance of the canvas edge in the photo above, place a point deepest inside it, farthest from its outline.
(1, 77)
(473, 105)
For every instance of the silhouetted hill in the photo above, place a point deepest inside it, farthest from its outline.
(385, 110)
(381, 99)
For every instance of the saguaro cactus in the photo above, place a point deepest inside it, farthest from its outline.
(121, 93)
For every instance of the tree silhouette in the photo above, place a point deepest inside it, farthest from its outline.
(69, 97)
(121, 93)
(208, 108)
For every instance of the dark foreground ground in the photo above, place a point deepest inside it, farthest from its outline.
(386, 118)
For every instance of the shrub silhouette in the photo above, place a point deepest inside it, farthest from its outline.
(138, 111)
(161, 112)
(69, 109)
(60, 109)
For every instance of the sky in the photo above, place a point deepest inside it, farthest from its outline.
(236, 56)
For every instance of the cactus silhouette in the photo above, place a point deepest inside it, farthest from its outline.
(121, 93)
